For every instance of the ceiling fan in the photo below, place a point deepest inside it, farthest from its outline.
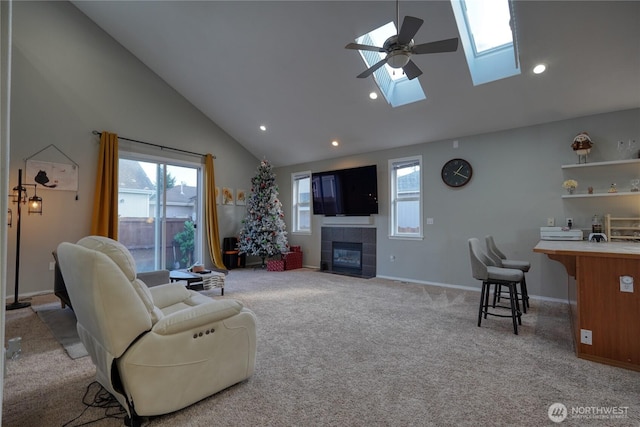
(400, 47)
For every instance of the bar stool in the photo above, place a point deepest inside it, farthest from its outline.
(482, 268)
(501, 260)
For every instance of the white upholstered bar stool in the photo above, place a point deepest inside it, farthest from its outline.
(482, 268)
(501, 260)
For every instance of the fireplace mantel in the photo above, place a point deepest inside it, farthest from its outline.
(364, 235)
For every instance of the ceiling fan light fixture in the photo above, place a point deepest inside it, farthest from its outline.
(398, 59)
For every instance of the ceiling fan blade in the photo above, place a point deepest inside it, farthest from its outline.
(411, 70)
(357, 46)
(409, 28)
(448, 45)
(372, 69)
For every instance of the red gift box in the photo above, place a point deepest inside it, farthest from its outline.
(295, 249)
(275, 265)
(292, 260)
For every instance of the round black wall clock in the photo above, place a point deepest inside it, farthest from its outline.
(456, 172)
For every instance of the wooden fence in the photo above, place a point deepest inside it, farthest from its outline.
(137, 234)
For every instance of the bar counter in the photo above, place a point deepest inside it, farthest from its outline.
(596, 300)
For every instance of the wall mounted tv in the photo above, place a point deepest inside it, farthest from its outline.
(345, 192)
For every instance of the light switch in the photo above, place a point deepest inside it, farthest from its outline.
(626, 284)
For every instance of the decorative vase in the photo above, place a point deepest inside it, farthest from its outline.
(571, 190)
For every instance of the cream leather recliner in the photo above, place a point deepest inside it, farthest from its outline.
(156, 349)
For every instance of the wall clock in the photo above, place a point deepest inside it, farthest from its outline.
(456, 172)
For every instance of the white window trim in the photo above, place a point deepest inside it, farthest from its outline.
(392, 200)
(295, 176)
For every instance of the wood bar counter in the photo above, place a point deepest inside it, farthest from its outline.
(596, 300)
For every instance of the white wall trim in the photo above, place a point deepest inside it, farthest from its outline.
(466, 288)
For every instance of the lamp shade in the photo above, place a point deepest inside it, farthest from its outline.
(19, 192)
(35, 205)
(398, 59)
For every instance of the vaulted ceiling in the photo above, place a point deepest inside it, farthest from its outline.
(283, 64)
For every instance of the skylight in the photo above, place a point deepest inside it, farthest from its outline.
(488, 38)
(394, 85)
(488, 24)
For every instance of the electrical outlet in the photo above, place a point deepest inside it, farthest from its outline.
(586, 337)
(551, 222)
(626, 284)
(392, 258)
(429, 221)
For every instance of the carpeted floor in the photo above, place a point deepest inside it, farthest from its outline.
(341, 351)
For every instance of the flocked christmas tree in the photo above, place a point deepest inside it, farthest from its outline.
(263, 231)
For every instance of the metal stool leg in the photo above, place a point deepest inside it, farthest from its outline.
(513, 297)
(486, 299)
(525, 292)
(482, 306)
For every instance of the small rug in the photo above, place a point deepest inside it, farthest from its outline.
(62, 323)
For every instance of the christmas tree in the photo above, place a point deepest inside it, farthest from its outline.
(263, 230)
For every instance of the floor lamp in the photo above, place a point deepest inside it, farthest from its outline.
(35, 206)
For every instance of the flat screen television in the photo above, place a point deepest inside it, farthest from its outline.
(345, 192)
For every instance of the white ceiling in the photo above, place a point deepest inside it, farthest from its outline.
(283, 64)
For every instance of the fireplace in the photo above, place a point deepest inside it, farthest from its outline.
(347, 258)
(349, 250)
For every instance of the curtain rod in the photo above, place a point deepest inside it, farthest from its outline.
(162, 147)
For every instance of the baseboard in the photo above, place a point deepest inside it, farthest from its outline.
(428, 283)
(27, 296)
(467, 288)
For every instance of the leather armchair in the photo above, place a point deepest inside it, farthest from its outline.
(158, 349)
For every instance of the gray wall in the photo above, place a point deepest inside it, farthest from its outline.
(516, 186)
(70, 78)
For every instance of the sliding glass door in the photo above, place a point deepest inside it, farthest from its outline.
(158, 211)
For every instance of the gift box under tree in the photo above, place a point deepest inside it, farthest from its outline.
(292, 260)
(275, 265)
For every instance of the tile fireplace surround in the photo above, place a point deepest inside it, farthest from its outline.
(366, 236)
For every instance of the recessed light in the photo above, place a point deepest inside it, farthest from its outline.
(335, 143)
(539, 69)
(263, 128)
(373, 95)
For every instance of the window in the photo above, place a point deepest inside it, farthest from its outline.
(301, 182)
(488, 24)
(406, 197)
(158, 211)
(489, 38)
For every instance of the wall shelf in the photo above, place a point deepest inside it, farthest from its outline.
(618, 194)
(600, 164)
(600, 176)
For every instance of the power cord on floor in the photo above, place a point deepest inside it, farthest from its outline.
(97, 396)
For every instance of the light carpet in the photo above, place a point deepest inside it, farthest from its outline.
(342, 351)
